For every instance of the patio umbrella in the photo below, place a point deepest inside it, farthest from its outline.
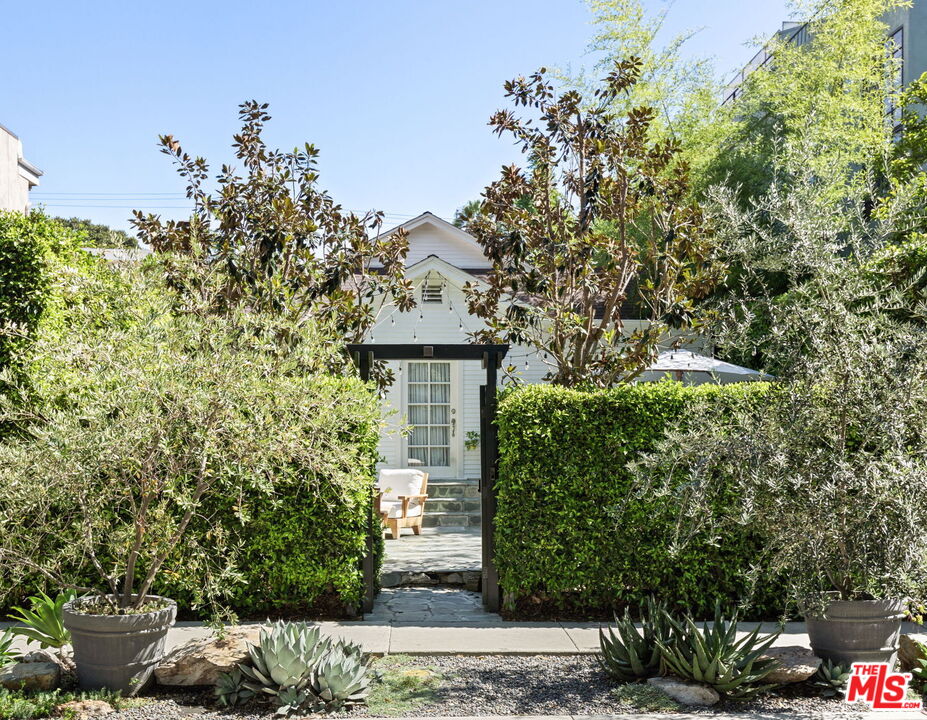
(680, 362)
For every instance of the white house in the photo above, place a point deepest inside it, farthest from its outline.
(439, 400)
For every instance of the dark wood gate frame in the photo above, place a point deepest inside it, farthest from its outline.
(491, 356)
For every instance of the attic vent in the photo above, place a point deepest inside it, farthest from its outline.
(433, 292)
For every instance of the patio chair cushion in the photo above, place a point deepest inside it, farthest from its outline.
(393, 508)
(393, 483)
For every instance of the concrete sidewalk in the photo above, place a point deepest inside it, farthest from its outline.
(498, 638)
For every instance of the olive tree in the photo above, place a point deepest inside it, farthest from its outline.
(596, 228)
(830, 470)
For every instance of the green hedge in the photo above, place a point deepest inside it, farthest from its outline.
(301, 543)
(570, 538)
(288, 538)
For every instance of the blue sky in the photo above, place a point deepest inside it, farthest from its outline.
(396, 94)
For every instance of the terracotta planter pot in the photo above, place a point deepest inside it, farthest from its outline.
(857, 631)
(118, 652)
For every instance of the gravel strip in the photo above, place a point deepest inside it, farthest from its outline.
(508, 685)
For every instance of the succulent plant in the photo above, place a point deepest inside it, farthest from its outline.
(230, 689)
(291, 700)
(831, 679)
(341, 678)
(284, 657)
(629, 654)
(714, 656)
(7, 653)
(42, 622)
(299, 669)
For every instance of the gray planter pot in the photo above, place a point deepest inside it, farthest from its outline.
(118, 652)
(857, 631)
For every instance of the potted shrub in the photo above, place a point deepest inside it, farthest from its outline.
(830, 469)
(136, 417)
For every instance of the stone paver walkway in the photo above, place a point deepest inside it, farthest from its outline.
(430, 606)
(435, 550)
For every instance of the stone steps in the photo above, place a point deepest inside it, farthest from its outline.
(451, 519)
(453, 503)
(454, 488)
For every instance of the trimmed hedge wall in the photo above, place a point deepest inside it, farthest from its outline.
(301, 544)
(570, 540)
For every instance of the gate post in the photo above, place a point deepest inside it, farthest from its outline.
(489, 456)
(368, 564)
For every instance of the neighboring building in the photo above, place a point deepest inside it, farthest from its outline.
(906, 37)
(791, 32)
(440, 400)
(907, 28)
(17, 175)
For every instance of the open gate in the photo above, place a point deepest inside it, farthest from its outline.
(491, 358)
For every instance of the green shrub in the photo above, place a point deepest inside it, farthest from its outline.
(568, 532)
(34, 252)
(209, 455)
(714, 655)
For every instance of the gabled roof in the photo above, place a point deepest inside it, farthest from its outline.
(458, 276)
(430, 218)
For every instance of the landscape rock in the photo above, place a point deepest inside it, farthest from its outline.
(31, 676)
(199, 662)
(63, 657)
(910, 648)
(390, 579)
(685, 692)
(82, 709)
(419, 579)
(796, 664)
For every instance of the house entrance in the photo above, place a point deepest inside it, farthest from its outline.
(457, 526)
(432, 407)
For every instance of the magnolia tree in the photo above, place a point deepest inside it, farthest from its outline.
(597, 228)
(830, 470)
(139, 417)
(280, 242)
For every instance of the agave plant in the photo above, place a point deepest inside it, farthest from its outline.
(7, 654)
(299, 669)
(43, 621)
(831, 679)
(284, 657)
(341, 678)
(714, 656)
(291, 700)
(231, 690)
(629, 654)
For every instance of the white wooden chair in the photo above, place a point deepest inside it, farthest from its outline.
(400, 500)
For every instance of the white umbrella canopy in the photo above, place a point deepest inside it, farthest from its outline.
(680, 362)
